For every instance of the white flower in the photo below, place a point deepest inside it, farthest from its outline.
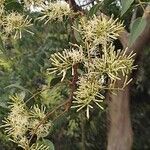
(17, 122)
(37, 116)
(88, 93)
(62, 62)
(28, 3)
(16, 23)
(55, 11)
(99, 30)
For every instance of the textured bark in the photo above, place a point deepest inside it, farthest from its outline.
(120, 133)
(120, 130)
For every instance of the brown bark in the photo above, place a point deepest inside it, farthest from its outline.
(120, 130)
(120, 133)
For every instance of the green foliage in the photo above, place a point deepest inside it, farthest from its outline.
(125, 5)
(22, 121)
(13, 5)
(25, 58)
(23, 62)
(138, 27)
(94, 9)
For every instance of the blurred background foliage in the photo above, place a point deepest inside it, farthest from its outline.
(23, 65)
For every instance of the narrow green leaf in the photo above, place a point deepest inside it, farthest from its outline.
(137, 28)
(126, 5)
(94, 9)
(55, 81)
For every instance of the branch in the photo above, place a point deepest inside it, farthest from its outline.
(123, 37)
(134, 15)
(67, 103)
(73, 5)
(39, 92)
(73, 85)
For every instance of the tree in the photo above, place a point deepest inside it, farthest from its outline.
(123, 97)
(98, 68)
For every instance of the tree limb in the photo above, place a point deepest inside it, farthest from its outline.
(73, 5)
(120, 129)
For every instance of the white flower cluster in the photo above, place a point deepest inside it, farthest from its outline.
(112, 63)
(37, 115)
(22, 121)
(17, 121)
(66, 60)
(87, 93)
(55, 11)
(29, 3)
(15, 23)
(102, 65)
(99, 29)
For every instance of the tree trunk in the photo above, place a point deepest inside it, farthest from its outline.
(120, 131)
